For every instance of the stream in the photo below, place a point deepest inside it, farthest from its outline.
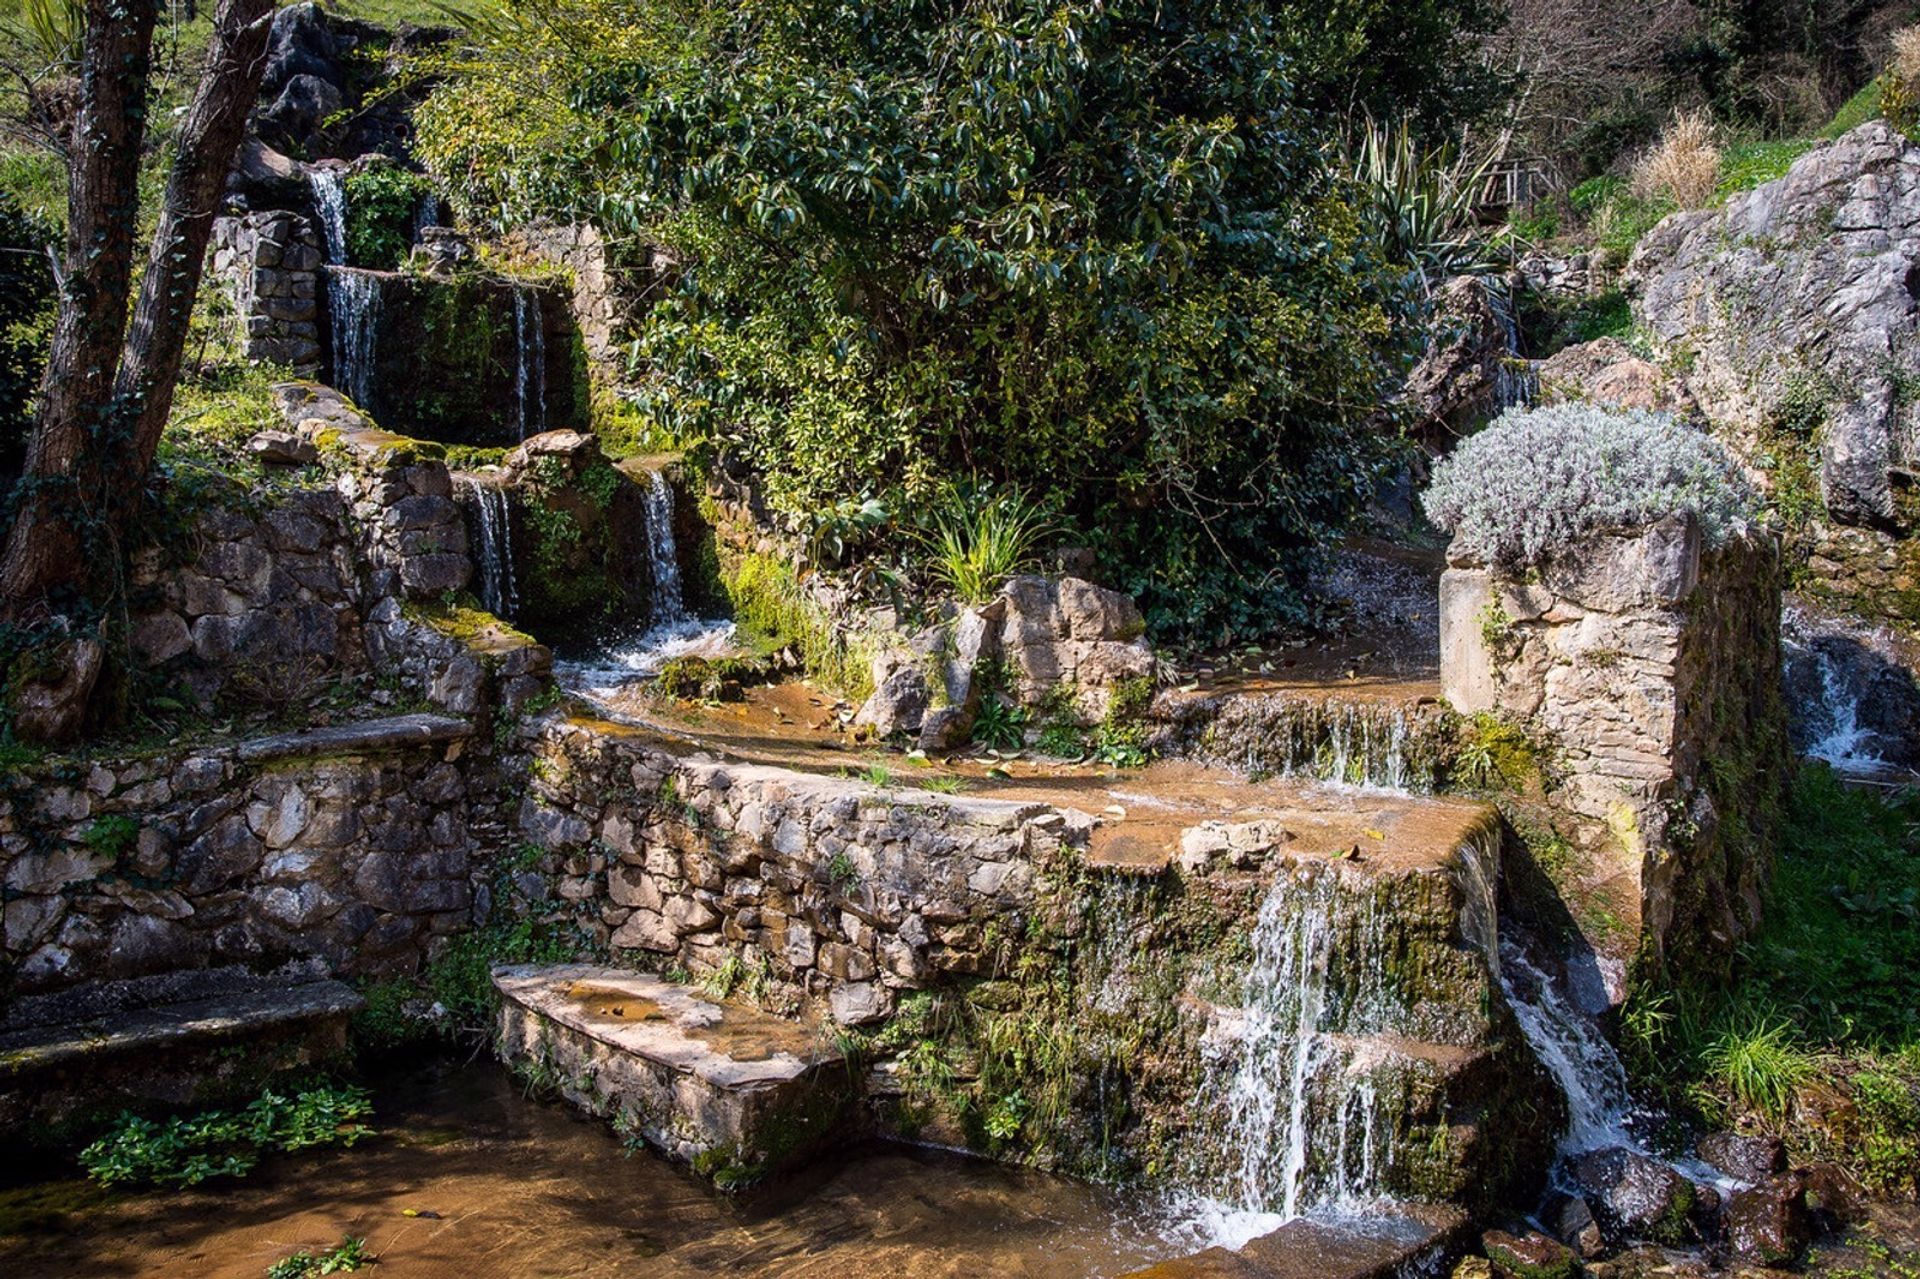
(503, 1185)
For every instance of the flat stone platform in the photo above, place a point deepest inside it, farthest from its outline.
(182, 1039)
(737, 1092)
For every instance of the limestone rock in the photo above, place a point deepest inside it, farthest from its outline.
(1803, 287)
(1606, 371)
(1458, 382)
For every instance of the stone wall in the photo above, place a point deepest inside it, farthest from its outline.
(268, 594)
(860, 903)
(270, 262)
(354, 845)
(471, 358)
(1647, 668)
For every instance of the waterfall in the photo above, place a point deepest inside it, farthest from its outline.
(1516, 379)
(1298, 1100)
(353, 298)
(1575, 1052)
(494, 549)
(530, 373)
(330, 202)
(663, 556)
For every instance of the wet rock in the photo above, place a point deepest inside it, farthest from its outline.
(1833, 1198)
(1742, 1157)
(1529, 1256)
(1573, 1222)
(1635, 1197)
(1768, 1224)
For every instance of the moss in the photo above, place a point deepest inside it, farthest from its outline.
(475, 628)
(770, 605)
(1562, 1265)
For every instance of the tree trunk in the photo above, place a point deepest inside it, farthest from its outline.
(47, 548)
(209, 136)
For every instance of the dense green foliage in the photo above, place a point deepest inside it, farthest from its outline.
(1098, 252)
(1815, 1037)
(26, 314)
(187, 1150)
(383, 202)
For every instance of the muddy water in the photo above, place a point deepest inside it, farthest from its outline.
(526, 1189)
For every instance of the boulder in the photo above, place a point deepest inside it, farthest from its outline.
(282, 448)
(1635, 1197)
(1768, 1224)
(1529, 1256)
(1606, 371)
(1794, 303)
(1742, 1157)
(1573, 1222)
(1465, 376)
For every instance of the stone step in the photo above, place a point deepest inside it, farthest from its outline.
(179, 1039)
(737, 1092)
(1383, 1247)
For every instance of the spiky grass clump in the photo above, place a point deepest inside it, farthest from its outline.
(1684, 166)
(1538, 479)
(975, 544)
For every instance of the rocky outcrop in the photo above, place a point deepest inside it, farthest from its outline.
(1793, 306)
(1052, 636)
(1607, 371)
(1646, 668)
(1470, 370)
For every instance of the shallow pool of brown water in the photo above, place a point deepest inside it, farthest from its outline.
(523, 1188)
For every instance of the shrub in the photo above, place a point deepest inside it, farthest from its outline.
(1095, 251)
(1537, 479)
(1683, 166)
(26, 325)
(1905, 61)
(383, 202)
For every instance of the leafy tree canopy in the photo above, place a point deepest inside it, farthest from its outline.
(1096, 249)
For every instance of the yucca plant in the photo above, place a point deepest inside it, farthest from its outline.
(49, 32)
(1422, 203)
(976, 541)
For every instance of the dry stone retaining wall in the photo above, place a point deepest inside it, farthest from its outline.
(354, 845)
(270, 262)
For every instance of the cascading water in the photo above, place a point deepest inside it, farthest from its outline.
(671, 632)
(1299, 1111)
(1851, 696)
(1575, 1052)
(330, 204)
(530, 372)
(353, 298)
(1516, 379)
(493, 545)
(663, 552)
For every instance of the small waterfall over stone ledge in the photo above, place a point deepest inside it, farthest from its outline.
(1311, 1078)
(493, 548)
(671, 632)
(353, 298)
(663, 553)
(530, 370)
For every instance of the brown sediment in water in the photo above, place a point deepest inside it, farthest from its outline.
(519, 1188)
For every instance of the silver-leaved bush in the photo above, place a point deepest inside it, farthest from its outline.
(1536, 479)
